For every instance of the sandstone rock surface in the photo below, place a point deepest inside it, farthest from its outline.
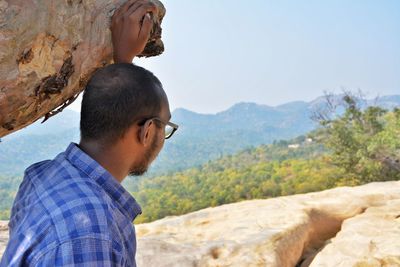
(3, 236)
(347, 226)
(49, 49)
(283, 232)
(371, 239)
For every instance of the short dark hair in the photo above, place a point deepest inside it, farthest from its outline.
(117, 96)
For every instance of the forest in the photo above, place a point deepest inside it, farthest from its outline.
(359, 146)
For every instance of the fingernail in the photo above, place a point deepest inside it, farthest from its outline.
(148, 15)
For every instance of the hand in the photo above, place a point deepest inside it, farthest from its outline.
(130, 27)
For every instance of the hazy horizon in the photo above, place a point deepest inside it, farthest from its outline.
(270, 52)
(368, 97)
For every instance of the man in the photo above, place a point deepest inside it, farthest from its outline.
(72, 210)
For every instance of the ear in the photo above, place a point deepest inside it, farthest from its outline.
(146, 132)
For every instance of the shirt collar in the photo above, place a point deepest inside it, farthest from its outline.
(127, 204)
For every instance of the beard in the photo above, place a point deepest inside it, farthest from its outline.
(148, 157)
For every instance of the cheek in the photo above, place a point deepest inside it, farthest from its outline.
(162, 142)
(159, 143)
(157, 148)
(159, 139)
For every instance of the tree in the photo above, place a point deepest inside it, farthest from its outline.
(363, 142)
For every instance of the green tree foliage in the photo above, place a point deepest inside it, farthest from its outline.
(360, 146)
(364, 143)
(262, 172)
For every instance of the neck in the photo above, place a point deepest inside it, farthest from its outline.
(108, 157)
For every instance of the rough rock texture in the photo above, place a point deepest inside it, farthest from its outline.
(371, 239)
(49, 49)
(352, 227)
(3, 236)
(280, 232)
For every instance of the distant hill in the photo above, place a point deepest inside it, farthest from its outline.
(203, 137)
(66, 121)
(38, 142)
(200, 138)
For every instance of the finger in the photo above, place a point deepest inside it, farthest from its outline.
(117, 13)
(139, 13)
(145, 30)
(135, 6)
(124, 7)
(128, 4)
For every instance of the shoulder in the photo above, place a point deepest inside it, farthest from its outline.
(76, 230)
(77, 208)
(37, 167)
(74, 204)
(26, 196)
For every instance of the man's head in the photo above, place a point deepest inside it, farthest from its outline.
(124, 108)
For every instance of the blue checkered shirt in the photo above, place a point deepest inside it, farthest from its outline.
(70, 211)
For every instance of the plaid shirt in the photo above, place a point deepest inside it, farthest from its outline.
(71, 212)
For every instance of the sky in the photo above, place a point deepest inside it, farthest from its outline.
(221, 52)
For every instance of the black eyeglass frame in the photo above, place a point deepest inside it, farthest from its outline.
(173, 125)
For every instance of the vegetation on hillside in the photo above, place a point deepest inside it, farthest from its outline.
(266, 171)
(362, 146)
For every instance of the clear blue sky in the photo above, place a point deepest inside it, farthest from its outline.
(220, 52)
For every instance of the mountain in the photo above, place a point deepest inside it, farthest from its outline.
(200, 138)
(203, 137)
(63, 122)
(388, 102)
(38, 142)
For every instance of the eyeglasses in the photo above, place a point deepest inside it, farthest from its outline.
(170, 128)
